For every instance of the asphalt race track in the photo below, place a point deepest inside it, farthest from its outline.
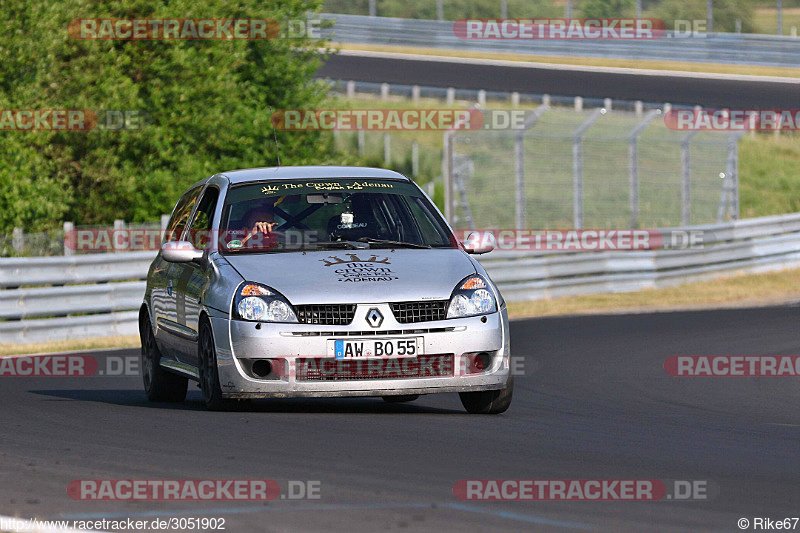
(595, 403)
(708, 92)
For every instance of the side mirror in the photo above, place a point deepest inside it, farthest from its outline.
(181, 252)
(476, 245)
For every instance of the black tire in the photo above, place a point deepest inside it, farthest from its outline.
(490, 402)
(401, 398)
(159, 384)
(209, 372)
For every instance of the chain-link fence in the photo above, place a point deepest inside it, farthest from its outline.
(78, 240)
(590, 169)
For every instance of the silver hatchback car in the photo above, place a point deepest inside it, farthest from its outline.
(320, 282)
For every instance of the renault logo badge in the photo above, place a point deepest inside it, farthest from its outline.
(374, 318)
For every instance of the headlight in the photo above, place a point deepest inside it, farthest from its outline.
(260, 303)
(472, 297)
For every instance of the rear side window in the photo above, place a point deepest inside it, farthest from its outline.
(180, 216)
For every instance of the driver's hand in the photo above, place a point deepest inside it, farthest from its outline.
(265, 227)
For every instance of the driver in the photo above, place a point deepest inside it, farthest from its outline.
(259, 221)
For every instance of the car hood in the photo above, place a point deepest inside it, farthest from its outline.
(357, 276)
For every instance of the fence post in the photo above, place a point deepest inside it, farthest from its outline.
(119, 225)
(69, 227)
(578, 104)
(351, 89)
(730, 188)
(415, 94)
(447, 174)
(361, 143)
(686, 179)
(734, 155)
(415, 159)
(577, 166)
(384, 91)
(515, 99)
(18, 240)
(633, 166)
(387, 149)
(451, 95)
(482, 98)
(607, 104)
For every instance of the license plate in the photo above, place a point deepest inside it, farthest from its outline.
(364, 348)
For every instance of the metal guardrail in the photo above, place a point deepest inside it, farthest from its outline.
(746, 246)
(734, 48)
(56, 298)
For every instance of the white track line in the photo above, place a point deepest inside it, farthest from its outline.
(581, 68)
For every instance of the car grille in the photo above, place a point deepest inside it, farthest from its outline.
(330, 369)
(328, 314)
(409, 312)
(371, 333)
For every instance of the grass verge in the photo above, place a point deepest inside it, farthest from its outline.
(122, 341)
(683, 66)
(741, 290)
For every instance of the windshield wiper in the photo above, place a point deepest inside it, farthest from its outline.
(347, 245)
(395, 244)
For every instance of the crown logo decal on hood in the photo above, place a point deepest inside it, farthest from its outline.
(353, 258)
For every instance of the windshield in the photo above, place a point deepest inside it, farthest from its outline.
(281, 216)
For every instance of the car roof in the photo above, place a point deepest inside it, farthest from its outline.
(308, 172)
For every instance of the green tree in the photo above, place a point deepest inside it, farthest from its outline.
(206, 103)
(598, 9)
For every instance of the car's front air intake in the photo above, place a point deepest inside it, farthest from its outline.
(409, 312)
(326, 314)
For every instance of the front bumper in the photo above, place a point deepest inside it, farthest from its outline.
(239, 342)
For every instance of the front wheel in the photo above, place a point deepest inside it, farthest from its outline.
(209, 372)
(159, 385)
(490, 402)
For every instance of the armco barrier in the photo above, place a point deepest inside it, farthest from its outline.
(735, 48)
(54, 298)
